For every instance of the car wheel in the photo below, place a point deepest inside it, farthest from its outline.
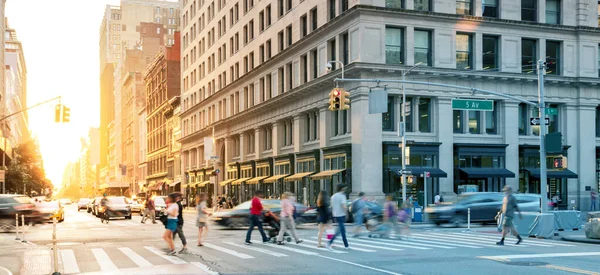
(438, 223)
(458, 220)
(128, 217)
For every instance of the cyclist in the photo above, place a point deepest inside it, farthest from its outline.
(104, 209)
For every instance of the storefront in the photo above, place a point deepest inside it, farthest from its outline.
(307, 190)
(263, 170)
(337, 162)
(281, 169)
(421, 158)
(529, 170)
(480, 168)
(230, 190)
(246, 191)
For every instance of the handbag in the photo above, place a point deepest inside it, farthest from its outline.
(163, 219)
(330, 233)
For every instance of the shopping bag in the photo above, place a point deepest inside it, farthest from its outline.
(330, 233)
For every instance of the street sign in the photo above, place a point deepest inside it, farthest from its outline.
(472, 104)
(405, 172)
(551, 111)
(214, 157)
(427, 174)
(536, 121)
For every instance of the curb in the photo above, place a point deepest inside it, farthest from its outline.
(580, 240)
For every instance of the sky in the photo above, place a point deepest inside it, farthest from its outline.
(60, 42)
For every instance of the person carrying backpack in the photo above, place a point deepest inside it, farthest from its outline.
(358, 208)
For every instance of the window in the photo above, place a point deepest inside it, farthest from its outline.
(261, 21)
(289, 77)
(303, 26)
(422, 5)
(288, 32)
(529, 10)
(474, 121)
(553, 12)
(344, 42)
(408, 111)
(315, 66)
(289, 5)
(463, 52)
(554, 125)
(463, 7)
(422, 41)
(489, 8)
(280, 38)
(598, 121)
(331, 9)
(281, 8)
(523, 119)
(490, 52)
(424, 109)
(599, 56)
(393, 45)
(343, 5)
(268, 48)
(304, 68)
(388, 118)
(268, 15)
(528, 55)
(394, 4)
(313, 19)
(457, 124)
(553, 57)
(251, 29)
(490, 120)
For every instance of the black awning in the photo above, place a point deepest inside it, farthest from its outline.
(553, 174)
(481, 173)
(418, 171)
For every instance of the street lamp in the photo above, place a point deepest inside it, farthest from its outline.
(403, 129)
(329, 66)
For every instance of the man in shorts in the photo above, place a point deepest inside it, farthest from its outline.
(509, 206)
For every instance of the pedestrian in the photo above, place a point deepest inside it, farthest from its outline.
(256, 218)
(202, 217)
(323, 215)
(149, 210)
(286, 218)
(358, 208)
(338, 207)
(390, 214)
(405, 218)
(509, 206)
(594, 199)
(171, 226)
(179, 231)
(437, 199)
(556, 200)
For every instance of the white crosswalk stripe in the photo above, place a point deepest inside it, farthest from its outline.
(163, 255)
(528, 241)
(226, 250)
(103, 260)
(69, 262)
(421, 238)
(471, 239)
(373, 244)
(265, 251)
(494, 239)
(411, 244)
(450, 239)
(137, 259)
(353, 247)
(322, 248)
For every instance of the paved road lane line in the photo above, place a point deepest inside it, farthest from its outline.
(352, 247)
(475, 239)
(547, 255)
(172, 259)
(257, 249)
(69, 261)
(228, 251)
(103, 260)
(421, 239)
(137, 259)
(204, 268)
(572, 270)
(360, 243)
(396, 242)
(359, 265)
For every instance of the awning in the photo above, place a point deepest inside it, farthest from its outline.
(239, 181)
(225, 182)
(173, 184)
(480, 173)
(325, 174)
(256, 180)
(553, 174)
(418, 171)
(297, 176)
(274, 178)
(204, 183)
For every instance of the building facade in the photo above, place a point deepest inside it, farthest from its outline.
(141, 173)
(16, 87)
(162, 80)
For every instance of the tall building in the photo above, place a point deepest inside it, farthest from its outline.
(119, 31)
(162, 80)
(141, 173)
(255, 78)
(89, 161)
(16, 87)
(174, 146)
(5, 152)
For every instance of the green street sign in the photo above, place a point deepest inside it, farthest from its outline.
(472, 104)
(551, 111)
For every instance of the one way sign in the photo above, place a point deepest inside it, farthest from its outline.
(536, 121)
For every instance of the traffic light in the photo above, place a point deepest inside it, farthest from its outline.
(57, 113)
(345, 100)
(335, 99)
(66, 114)
(559, 162)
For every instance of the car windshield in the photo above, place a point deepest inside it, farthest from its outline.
(117, 200)
(159, 200)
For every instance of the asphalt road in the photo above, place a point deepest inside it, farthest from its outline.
(87, 246)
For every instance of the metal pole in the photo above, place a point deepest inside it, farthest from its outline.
(426, 181)
(542, 114)
(54, 252)
(468, 219)
(23, 228)
(403, 140)
(17, 226)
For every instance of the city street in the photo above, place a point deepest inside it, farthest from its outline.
(85, 245)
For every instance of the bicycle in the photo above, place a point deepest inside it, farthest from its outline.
(104, 215)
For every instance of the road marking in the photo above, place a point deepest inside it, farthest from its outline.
(296, 250)
(527, 241)
(322, 248)
(475, 239)
(103, 260)
(453, 239)
(379, 247)
(99, 228)
(397, 243)
(228, 251)
(547, 255)
(257, 249)
(172, 259)
(69, 261)
(137, 259)
(359, 265)
(422, 239)
(572, 270)
(353, 246)
(204, 268)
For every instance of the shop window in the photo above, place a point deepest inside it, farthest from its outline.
(394, 45)
(388, 118)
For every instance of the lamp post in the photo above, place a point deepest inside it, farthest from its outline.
(541, 70)
(329, 66)
(403, 130)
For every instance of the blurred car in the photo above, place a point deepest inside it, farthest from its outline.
(136, 206)
(10, 205)
(64, 202)
(238, 216)
(82, 203)
(484, 207)
(118, 207)
(48, 210)
(91, 204)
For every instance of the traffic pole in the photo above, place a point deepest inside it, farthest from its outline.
(23, 228)
(468, 219)
(54, 252)
(541, 70)
(17, 226)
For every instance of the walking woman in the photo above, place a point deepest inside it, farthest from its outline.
(287, 218)
(323, 215)
(172, 213)
(390, 214)
(203, 214)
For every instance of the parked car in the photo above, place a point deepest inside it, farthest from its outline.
(64, 202)
(136, 206)
(484, 207)
(48, 210)
(82, 203)
(238, 216)
(10, 205)
(160, 206)
(118, 207)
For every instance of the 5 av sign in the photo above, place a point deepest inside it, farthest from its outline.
(537, 121)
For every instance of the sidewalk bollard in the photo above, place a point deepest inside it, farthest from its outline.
(17, 226)
(54, 252)
(23, 228)
(468, 219)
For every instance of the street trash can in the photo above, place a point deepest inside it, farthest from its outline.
(418, 214)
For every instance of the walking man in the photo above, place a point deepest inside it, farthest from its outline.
(338, 211)
(255, 218)
(509, 206)
(594, 197)
(149, 210)
(358, 211)
(179, 230)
